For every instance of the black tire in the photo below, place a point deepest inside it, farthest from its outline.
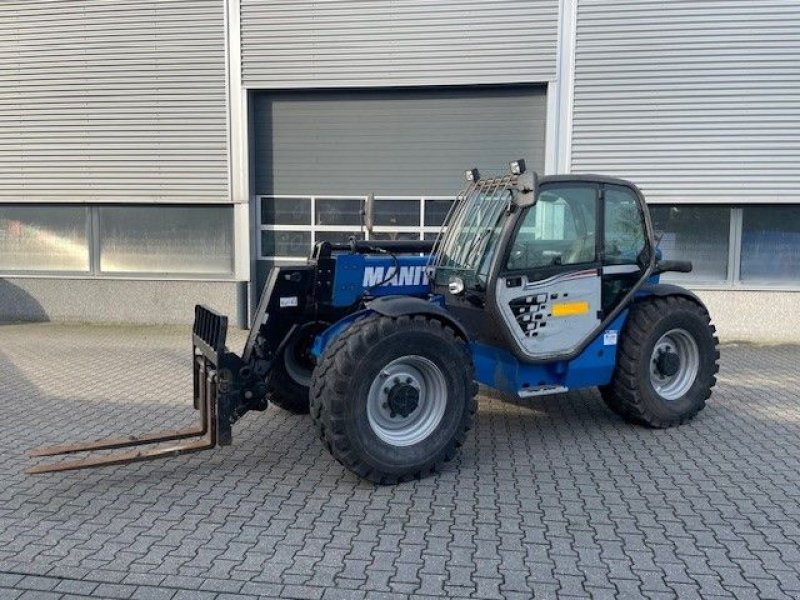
(631, 394)
(347, 371)
(289, 382)
(285, 392)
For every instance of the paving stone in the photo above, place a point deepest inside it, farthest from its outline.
(153, 593)
(551, 496)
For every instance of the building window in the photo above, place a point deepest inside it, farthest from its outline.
(696, 233)
(338, 212)
(397, 213)
(166, 239)
(288, 211)
(290, 225)
(285, 243)
(436, 212)
(44, 238)
(115, 239)
(770, 244)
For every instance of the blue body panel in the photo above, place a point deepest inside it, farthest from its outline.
(499, 369)
(359, 275)
(331, 333)
(380, 274)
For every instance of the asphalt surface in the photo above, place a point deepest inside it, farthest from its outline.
(552, 497)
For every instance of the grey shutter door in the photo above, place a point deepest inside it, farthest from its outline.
(392, 142)
(113, 101)
(692, 100)
(307, 43)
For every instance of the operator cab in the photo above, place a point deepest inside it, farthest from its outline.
(542, 265)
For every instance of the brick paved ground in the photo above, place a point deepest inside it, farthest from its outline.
(554, 496)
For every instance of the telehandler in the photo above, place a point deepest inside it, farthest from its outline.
(533, 287)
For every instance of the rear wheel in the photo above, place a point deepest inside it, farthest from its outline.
(393, 398)
(667, 363)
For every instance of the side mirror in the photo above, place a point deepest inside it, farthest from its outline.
(368, 213)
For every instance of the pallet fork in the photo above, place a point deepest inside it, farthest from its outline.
(224, 389)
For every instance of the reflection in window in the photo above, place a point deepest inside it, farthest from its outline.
(286, 211)
(338, 237)
(624, 226)
(166, 239)
(394, 235)
(771, 244)
(696, 233)
(285, 243)
(436, 211)
(558, 230)
(397, 212)
(338, 212)
(43, 238)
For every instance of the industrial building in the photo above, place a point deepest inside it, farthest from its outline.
(158, 153)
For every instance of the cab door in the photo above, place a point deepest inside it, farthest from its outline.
(549, 291)
(625, 253)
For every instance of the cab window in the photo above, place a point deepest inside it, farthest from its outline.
(624, 237)
(558, 230)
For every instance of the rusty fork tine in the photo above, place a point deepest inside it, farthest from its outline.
(118, 458)
(223, 384)
(110, 443)
(155, 437)
(205, 394)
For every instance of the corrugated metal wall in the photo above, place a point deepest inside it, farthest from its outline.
(113, 100)
(691, 99)
(404, 142)
(339, 43)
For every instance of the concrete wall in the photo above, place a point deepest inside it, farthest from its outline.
(754, 316)
(114, 301)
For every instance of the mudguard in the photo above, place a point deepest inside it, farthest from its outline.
(399, 306)
(667, 289)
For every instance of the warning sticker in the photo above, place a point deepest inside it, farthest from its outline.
(610, 338)
(288, 301)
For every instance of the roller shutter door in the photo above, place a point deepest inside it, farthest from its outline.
(403, 142)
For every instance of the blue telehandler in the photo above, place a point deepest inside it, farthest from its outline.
(533, 287)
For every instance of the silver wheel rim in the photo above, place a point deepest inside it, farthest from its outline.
(681, 343)
(430, 384)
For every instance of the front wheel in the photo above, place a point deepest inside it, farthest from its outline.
(667, 363)
(393, 398)
(290, 379)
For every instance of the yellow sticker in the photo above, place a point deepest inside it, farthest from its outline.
(570, 309)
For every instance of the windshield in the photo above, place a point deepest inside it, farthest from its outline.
(472, 234)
